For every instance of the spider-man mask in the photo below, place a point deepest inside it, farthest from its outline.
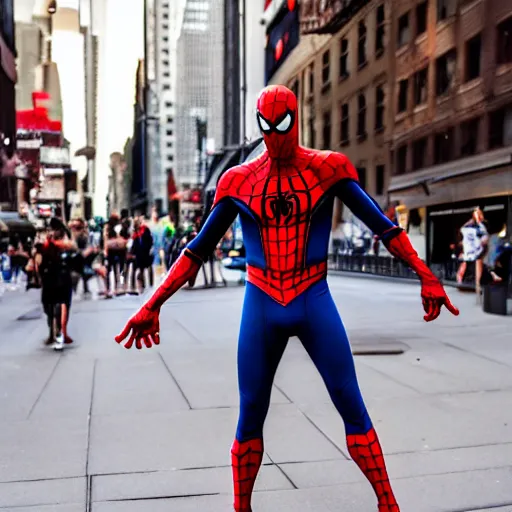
(277, 118)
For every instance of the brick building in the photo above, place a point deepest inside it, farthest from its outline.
(450, 124)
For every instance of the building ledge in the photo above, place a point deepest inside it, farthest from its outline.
(489, 160)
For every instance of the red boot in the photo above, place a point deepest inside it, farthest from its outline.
(367, 454)
(246, 460)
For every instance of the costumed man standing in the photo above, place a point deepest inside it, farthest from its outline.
(285, 200)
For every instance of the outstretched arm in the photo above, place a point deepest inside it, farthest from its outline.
(144, 325)
(398, 244)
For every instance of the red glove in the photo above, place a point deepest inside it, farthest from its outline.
(432, 291)
(144, 326)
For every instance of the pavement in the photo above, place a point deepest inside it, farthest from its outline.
(98, 428)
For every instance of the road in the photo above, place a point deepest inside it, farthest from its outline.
(102, 429)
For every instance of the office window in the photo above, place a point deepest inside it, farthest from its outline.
(326, 68)
(446, 9)
(404, 33)
(361, 172)
(421, 18)
(169, 119)
(170, 158)
(165, 63)
(312, 132)
(169, 133)
(381, 30)
(167, 74)
(380, 175)
(401, 160)
(327, 130)
(445, 72)
(361, 117)
(473, 55)
(344, 58)
(361, 45)
(504, 42)
(497, 129)
(165, 16)
(420, 86)
(345, 121)
(379, 108)
(169, 144)
(419, 152)
(443, 147)
(166, 87)
(469, 137)
(168, 104)
(403, 90)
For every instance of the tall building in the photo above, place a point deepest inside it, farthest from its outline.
(451, 117)
(199, 88)
(7, 103)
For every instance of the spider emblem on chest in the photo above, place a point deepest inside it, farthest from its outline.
(282, 207)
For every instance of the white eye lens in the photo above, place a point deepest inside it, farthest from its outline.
(284, 124)
(263, 124)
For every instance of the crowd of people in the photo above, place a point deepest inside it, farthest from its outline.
(121, 255)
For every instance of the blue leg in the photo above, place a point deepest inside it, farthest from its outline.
(325, 339)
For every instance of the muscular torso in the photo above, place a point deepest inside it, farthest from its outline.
(285, 209)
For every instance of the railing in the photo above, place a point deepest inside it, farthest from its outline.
(390, 267)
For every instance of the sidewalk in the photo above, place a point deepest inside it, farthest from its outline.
(102, 429)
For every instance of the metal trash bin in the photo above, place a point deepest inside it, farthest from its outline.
(495, 298)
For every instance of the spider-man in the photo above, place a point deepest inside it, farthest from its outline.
(285, 200)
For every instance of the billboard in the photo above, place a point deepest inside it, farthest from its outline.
(282, 38)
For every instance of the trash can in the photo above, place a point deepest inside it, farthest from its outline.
(495, 298)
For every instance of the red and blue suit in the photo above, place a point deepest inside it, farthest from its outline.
(285, 201)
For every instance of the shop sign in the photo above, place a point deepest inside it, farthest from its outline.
(52, 189)
(54, 156)
(29, 143)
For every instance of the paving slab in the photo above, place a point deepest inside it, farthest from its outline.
(22, 380)
(42, 449)
(208, 376)
(147, 442)
(43, 492)
(135, 382)
(167, 484)
(68, 393)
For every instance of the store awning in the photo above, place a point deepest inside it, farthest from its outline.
(468, 178)
(229, 159)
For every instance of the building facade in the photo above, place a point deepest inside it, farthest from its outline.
(199, 118)
(451, 117)
(8, 78)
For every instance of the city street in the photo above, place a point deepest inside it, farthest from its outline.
(98, 428)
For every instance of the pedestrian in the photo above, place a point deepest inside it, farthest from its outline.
(114, 247)
(141, 248)
(55, 266)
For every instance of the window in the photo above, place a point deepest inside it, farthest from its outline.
(361, 46)
(312, 132)
(295, 88)
(379, 108)
(165, 62)
(504, 42)
(380, 174)
(381, 31)
(344, 129)
(445, 72)
(169, 119)
(169, 133)
(311, 79)
(419, 151)
(344, 58)
(443, 147)
(165, 26)
(165, 16)
(165, 39)
(403, 30)
(403, 89)
(496, 129)
(170, 158)
(469, 137)
(401, 160)
(327, 130)
(169, 144)
(473, 52)
(421, 18)
(326, 69)
(361, 117)
(166, 87)
(361, 172)
(420, 86)
(168, 104)
(166, 75)
(446, 9)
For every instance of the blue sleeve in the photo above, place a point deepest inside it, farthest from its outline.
(216, 225)
(363, 206)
